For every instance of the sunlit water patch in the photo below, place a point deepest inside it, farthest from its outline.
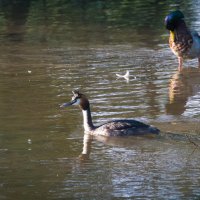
(49, 49)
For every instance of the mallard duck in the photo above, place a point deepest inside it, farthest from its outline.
(183, 42)
(124, 127)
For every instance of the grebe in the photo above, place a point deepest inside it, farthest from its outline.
(183, 42)
(124, 127)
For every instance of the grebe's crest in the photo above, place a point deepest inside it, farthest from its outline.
(76, 97)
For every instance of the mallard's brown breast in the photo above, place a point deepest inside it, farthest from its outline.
(180, 42)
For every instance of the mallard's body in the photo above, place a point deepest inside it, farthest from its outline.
(185, 44)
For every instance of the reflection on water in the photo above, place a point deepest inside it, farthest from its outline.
(140, 167)
(184, 93)
(149, 140)
(48, 48)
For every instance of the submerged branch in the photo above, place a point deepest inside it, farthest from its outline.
(191, 141)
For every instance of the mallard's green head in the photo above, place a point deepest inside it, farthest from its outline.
(173, 19)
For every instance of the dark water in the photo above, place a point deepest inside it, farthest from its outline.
(49, 48)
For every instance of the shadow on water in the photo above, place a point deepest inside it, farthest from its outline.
(98, 19)
(14, 15)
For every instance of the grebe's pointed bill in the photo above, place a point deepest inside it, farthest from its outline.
(73, 102)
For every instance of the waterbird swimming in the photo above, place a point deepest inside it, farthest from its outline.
(123, 127)
(184, 43)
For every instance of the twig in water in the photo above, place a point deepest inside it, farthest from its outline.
(194, 143)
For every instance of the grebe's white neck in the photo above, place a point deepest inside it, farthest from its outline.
(87, 120)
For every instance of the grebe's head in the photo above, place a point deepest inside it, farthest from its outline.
(173, 19)
(78, 99)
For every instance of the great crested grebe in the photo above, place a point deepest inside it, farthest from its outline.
(124, 127)
(183, 42)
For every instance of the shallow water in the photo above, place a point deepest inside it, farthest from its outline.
(46, 53)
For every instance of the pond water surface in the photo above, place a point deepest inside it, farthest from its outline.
(45, 53)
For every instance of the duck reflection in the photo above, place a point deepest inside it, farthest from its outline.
(183, 85)
(141, 141)
(87, 143)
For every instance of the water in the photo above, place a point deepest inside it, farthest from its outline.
(47, 50)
